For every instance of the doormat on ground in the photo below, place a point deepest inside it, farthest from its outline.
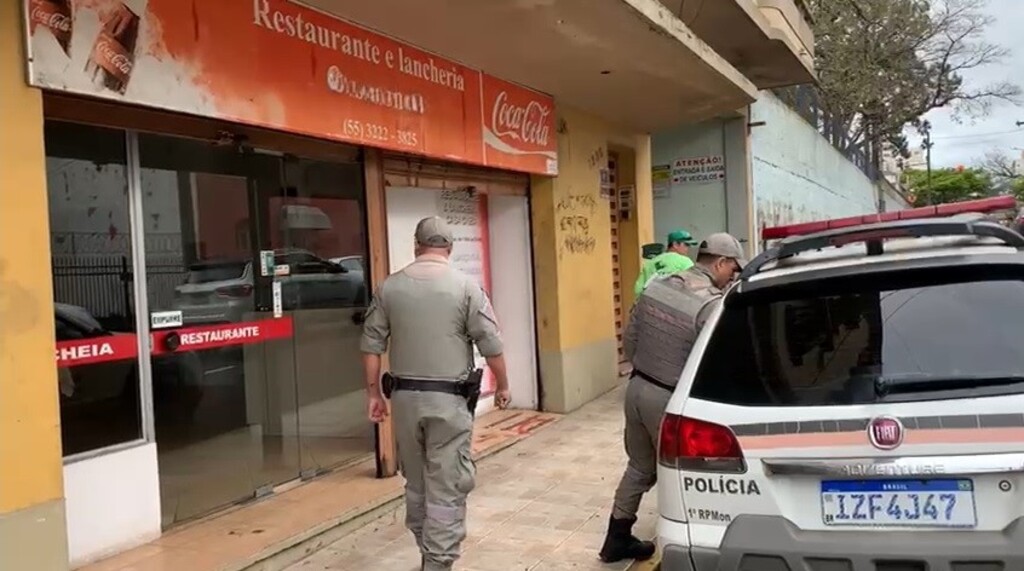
(502, 428)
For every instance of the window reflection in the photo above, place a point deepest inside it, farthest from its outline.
(87, 187)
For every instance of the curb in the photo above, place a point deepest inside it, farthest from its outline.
(298, 547)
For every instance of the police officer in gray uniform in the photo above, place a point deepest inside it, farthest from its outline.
(662, 328)
(431, 315)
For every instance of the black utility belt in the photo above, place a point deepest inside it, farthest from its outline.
(653, 381)
(468, 389)
(450, 387)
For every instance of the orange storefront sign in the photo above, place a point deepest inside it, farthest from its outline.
(279, 64)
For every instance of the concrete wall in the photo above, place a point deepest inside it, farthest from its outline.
(32, 520)
(573, 258)
(705, 207)
(891, 198)
(797, 175)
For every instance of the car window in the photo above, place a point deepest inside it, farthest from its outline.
(66, 331)
(352, 264)
(833, 347)
(215, 272)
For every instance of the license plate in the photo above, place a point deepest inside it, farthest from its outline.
(902, 503)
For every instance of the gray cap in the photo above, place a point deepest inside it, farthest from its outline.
(434, 232)
(725, 245)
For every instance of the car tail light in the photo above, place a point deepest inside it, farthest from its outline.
(244, 290)
(690, 444)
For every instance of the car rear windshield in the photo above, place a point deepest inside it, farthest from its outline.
(866, 340)
(215, 272)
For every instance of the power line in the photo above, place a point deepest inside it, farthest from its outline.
(976, 135)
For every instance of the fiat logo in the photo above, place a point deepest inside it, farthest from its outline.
(885, 432)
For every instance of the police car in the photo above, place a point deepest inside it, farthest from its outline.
(856, 403)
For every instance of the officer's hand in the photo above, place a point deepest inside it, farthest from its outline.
(502, 398)
(377, 409)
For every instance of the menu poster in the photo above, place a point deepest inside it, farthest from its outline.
(466, 214)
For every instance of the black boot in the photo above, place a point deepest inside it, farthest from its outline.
(620, 543)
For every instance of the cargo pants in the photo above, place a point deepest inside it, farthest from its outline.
(644, 406)
(434, 432)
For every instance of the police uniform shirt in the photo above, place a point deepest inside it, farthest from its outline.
(429, 315)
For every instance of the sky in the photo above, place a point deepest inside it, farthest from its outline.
(967, 142)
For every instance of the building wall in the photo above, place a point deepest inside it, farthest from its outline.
(573, 257)
(704, 208)
(799, 176)
(32, 520)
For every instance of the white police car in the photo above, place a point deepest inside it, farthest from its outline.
(856, 403)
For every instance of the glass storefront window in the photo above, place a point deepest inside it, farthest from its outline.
(98, 376)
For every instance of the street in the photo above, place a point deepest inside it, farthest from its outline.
(540, 505)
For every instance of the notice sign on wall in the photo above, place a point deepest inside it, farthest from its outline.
(698, 170)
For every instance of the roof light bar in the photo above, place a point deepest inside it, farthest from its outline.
(937, 211)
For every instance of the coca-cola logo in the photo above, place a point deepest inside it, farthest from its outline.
(53, 20)
(527, 124)
(113, 53)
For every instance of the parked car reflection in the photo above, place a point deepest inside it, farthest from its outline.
(94, 395)
(221, 291)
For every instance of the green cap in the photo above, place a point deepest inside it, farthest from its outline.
(681, 237)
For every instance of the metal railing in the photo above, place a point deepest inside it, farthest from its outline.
(805, 101)
(102, 283)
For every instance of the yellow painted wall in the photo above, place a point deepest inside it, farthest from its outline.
(573, 257)
(30, 454)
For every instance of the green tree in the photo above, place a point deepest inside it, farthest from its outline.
(883, 64)
(948, 185)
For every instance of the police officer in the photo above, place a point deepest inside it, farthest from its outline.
(431, 315)
(662, 329)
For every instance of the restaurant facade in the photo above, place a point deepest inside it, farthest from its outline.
(199, 198)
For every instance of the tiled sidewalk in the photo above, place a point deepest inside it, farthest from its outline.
(540, 505)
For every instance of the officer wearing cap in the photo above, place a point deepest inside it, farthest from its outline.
(662, 328)
(673, 260)
(430, 315)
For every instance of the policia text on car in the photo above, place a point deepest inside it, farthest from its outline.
(662, 328)
(428, 316)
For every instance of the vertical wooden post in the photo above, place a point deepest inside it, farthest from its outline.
(377, 231)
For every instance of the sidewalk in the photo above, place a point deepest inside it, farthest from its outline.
(541, 505)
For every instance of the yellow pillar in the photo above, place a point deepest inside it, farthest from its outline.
(573, 257)
(32, 522)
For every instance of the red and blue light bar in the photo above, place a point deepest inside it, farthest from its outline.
(937, 211)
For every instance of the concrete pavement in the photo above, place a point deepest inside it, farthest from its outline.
(540, 505)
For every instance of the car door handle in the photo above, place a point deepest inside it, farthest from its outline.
(359, 317)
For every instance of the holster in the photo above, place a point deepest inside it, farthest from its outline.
(387, 385)
(471, 388)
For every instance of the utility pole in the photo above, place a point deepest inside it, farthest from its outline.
(927, 144)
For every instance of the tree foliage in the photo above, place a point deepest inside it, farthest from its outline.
(883, 64)
(948, 185)
(1005, 175)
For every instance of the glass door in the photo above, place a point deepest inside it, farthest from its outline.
(319, 225)
(223, 363)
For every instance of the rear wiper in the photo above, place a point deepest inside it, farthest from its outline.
(886, 386)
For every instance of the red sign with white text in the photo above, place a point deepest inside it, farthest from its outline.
(227, 335)
(123, 346)
(116, 347)
(279, 64)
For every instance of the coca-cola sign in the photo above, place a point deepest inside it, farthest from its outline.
(45, 14)
(527, 124)
(113, 57)
(519, 126)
